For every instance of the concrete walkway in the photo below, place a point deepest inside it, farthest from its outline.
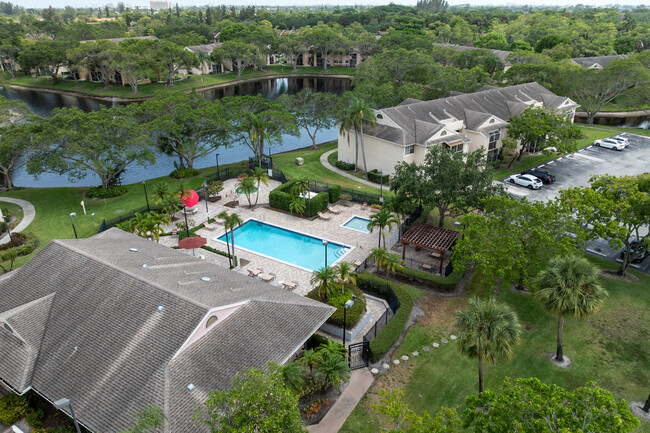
(28, 216)
(325, 162)
(360, 381)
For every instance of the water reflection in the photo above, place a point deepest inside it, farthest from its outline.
(42, 103)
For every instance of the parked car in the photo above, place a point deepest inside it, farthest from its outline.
(608, 143)
(621, 139)
(542, 175)
(642, 250)
(527, 180)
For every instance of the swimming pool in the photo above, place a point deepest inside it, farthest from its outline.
(357, 223)
(293, 248)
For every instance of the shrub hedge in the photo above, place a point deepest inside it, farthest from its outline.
(373, 176)
(12, 408)
(25, 243)
(101, 192)
(391, 332)
(279, 198)
(335, 193)
(353, 314)
(347, 166)
(447, 284)
(182, 173)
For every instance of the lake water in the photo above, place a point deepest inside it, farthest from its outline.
(42, 103)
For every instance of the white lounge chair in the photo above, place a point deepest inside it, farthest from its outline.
(323, 216)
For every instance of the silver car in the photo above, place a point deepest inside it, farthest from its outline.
(526, 180)
(608, 143)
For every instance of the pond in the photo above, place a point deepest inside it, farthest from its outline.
(42, 103)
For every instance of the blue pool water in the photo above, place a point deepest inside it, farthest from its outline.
(358, 223)
(285, 245)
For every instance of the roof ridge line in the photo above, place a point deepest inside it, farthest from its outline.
(130, 274)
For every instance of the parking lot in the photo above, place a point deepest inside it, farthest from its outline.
(577, 169)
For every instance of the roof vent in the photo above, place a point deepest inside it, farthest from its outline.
(161, 308)
(190, 387)
(133, 250)
(145, 266)
(206, 279)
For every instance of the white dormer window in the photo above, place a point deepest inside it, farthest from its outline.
(409, 150)
(379, 116)
(211, 321)
(491, 121)
(443, 133)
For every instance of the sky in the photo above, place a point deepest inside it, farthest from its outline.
(145, 4)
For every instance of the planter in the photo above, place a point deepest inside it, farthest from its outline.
(214, 199)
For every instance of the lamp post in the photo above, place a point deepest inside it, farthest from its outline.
(381, 186)
(72, 215)
(460, 225)
(145, 196)
(187, 228)
(92, 222)
(205, 196)
(309, 197)
(348, 304)
(218, 174)
(64, 402)
(7, 219)
(325, 245)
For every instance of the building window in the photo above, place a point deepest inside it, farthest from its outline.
(456, 148)
(493, 151)
(409, 150)
(211, 321)
(443, 133)
(379, 116)
(8, 328)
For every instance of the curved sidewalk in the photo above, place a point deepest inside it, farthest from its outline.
(28, 215)
(327, 165)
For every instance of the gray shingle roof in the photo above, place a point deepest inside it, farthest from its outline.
(473, 109)
(602, 61)
(107, 348)
(208, 48)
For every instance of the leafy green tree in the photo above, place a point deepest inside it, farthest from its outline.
(520, 45)
(169, 57)
(355, 115)
(10, 48)
(404, 420)
(147, 420)
(538, 128)
(104, 142)
(100, 56)
(15, 138)
(239, 52)
(383, 221)
(256, 120)
(529, 233)
(133, 60)
(323, 39)
(346, 274)
(532, 406)
(569, 286)
(550, 41)
(324, 279)
(488, 330)
(454, 183)
(313, 110)
(433, 6)
(613, 208)
(292, 46)
(9, 255)
(493, 41)
(46, 56)
(256, 402)
(185, 125)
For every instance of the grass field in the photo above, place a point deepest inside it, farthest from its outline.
(147, 90)
(611, 347)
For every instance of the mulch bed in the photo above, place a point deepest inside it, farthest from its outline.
(327, 399)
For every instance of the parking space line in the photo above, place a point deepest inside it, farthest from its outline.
(591, 158)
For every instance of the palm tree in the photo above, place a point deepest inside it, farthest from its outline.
(392, 262)
(569, 285)
(299, 190)
(9, 255)
(382, 220)
(292, 373)
(379, 255)
(231, 222)
(157, 220)
(247, 186)
(259, 131)
(171, 204)
(489, 330)
(296, 203)
(310, 358)
(347, 123)
(334, 369)
(160, 192)
(399, 204)
(261, 177)
(204, 59)
(323, 279)
(331, 347)
(225, 217)
(356, 114)
(346, 273)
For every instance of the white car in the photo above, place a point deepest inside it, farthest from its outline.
(608, 143)
(527, 180)
(620, 139)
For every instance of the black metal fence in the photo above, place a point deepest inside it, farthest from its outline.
(346, 193)
(125, 216)
(379, 324)
(359, 355)
(411, 219)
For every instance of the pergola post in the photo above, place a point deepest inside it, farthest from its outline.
(442, 257)
(403, 251)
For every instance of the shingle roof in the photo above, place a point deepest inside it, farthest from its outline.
(602, 61)
(208, 48)
(108, 348)
(473, 109)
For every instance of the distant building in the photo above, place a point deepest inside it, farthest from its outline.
(158, 5)
(597, 62)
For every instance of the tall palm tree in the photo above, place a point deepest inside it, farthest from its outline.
(247, 186)
(347, 123)
(9, 255)
(225, 216)
(160, 192)
(399, 204)
(231, 222)
(569, 286)
(261, 177)
(259, 131)
(346, 273)
(379, 255)
(299, 190)
(157, 222)
(382, 220)
(204, 59)
(358, 113)
(489, 330)
(323, 279)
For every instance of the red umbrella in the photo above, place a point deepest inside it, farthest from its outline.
(189, 198)
(192, 242)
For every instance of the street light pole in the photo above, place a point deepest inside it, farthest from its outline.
(92, 222)
(145, 196)
(325, 245)
(187, 228)
(205, 195)
(64, 402)
(309, 197)
(381, 186)
(72, 215)
(218, 174)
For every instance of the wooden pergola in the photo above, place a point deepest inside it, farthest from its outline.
(432, 238)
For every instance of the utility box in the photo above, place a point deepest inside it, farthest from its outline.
(300, 161)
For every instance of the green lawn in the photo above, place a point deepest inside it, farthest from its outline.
(147, 90)
(611, 347)
(615, 130)
(13, 210)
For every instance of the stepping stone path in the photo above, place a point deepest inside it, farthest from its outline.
(453, 337)
(385, 366)
(426, 348)
(396, 362)
(374, 371)
(416, 353)
(444, 340)
(436, 345)
(405, 358)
